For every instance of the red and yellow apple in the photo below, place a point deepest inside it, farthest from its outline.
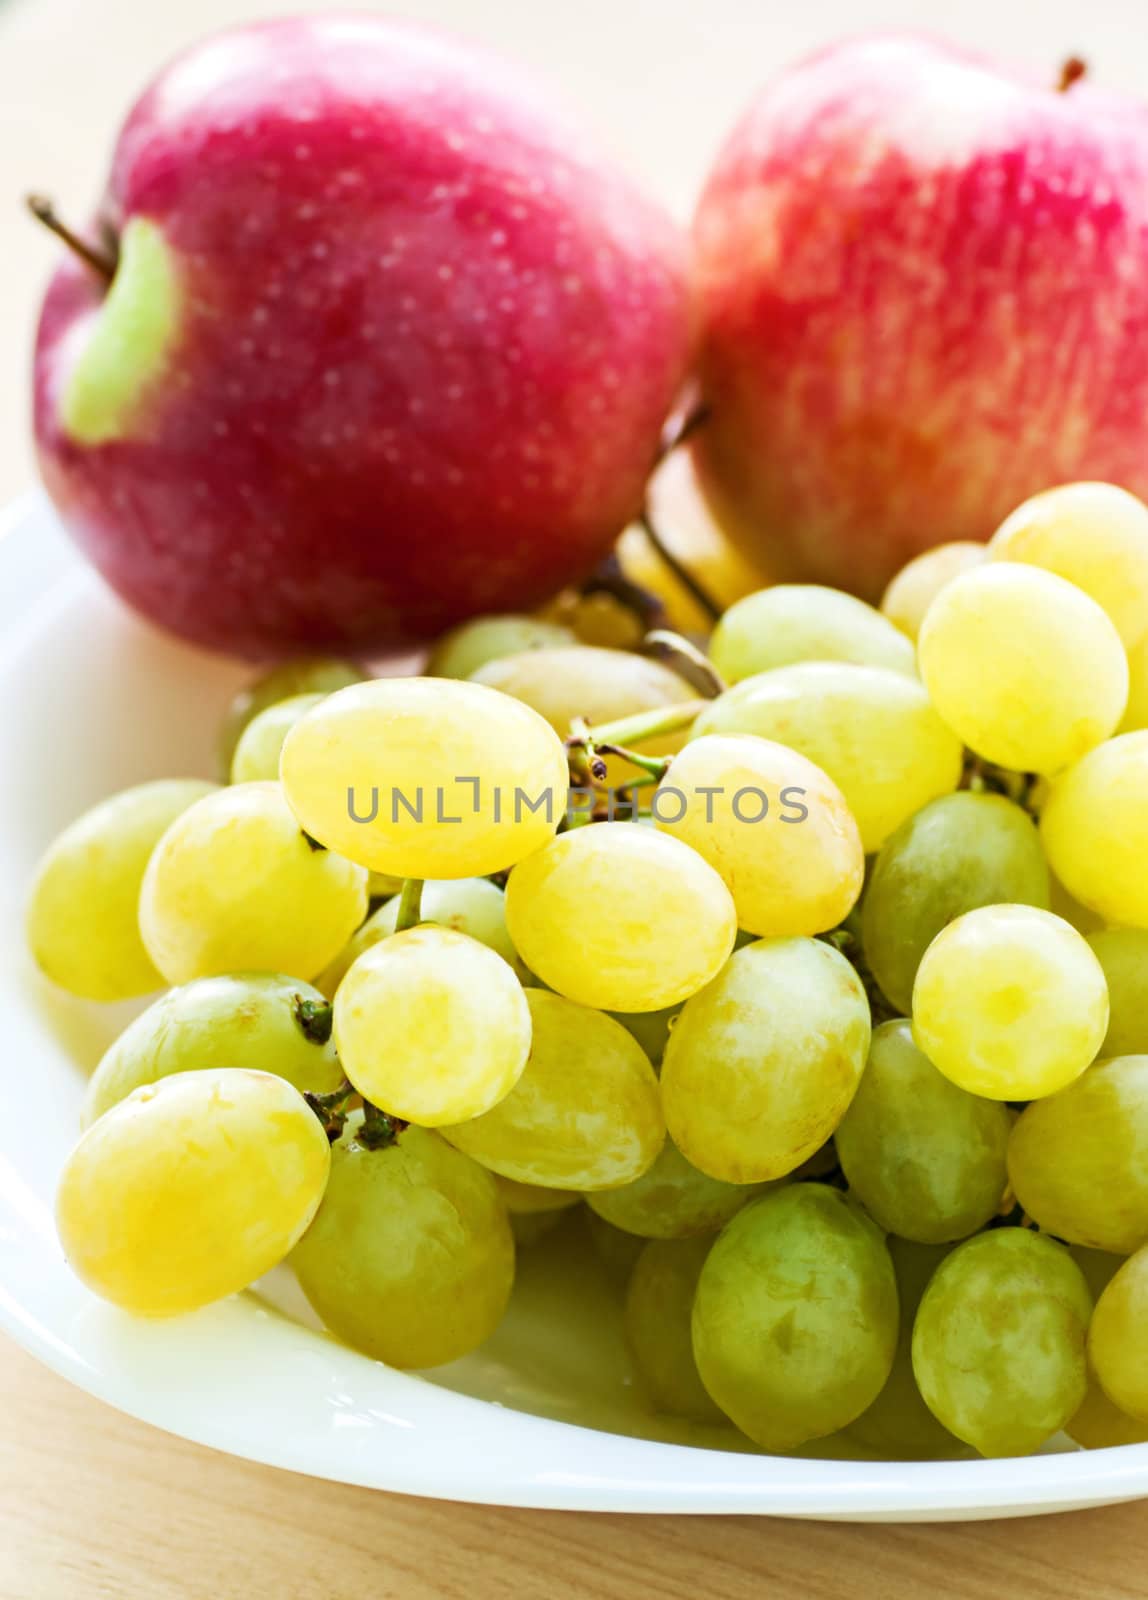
(387, 344)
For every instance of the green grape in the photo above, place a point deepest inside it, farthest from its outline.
(599, 913)
(1095, 830)
(190, 1189)
(1076, 1160)
(1081, 918)
(617, 1251)
(598, 685)
(83, 913)
(235, 885)
(761, 1066)
(259, 1020)
(473, 906)
(1025, 667)
(465, 649)
(672, 1200)
(1136, 711)
(659, 1309)
(899, 1425)
(528, 1199)
(870, 729)
(410, 1258)
(795, 1318)
(1123, 954)
(256, 757)
(958, 853)
(1117, 1346)
(910, 594)
(1093, 534)
(585, 1113)
(999, 1341)
(926, 1160)
(650, 1028)
(1010, 1003)
(426, 777)
(772, 824)
(431, 1026)
(804, 622)
(305, 675)
(1099, 1424)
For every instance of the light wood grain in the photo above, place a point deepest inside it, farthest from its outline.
(93, 1505)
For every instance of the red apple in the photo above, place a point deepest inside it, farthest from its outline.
(387, 344)
(924, 286)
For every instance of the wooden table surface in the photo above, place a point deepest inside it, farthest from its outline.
(93, 1504)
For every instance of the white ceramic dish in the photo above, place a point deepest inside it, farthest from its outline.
(545, 1415)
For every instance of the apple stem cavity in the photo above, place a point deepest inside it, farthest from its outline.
(102, 262)
(1071, 72)
(410, 905)
(687, 661)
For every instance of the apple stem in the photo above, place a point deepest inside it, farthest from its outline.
(1071, 72)
(687, 661)
(610, 578)
(681, 572)
(100, 261)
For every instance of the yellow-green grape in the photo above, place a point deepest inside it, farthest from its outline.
(1117, 1341)
(411, 1257)
(426, 777)
(259, 1020)
(1025, 667)
(658, 1315)
(305, 675)
(926, 1160)
(999, 1341)
(899, 1425)
(1076, 1161)
(672, 1200)
(1099, 1424)
(1010, 1003)
(772, 824)
(805, 622)
(761, 1066)
(909, 596)
(620, 917)
(616, 1251)
(465, 649)
(1081, 917)
(585, 1114)
(530, 1199)
(473, 906)
(431, 1026)
(795, 1318)
(1095, 830)
(256, 757)
(956, 854)
(1093, 534)
(190, 1189)
(650, 1028)
(872, 730)
(1136, 711)
(83, 914)
(596, 684)
(235, 885)
(1123, 954)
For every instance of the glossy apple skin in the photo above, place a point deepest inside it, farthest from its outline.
(924, 294)
(428, 341)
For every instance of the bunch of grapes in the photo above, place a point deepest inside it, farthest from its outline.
(813, 970)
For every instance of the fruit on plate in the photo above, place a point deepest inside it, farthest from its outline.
(916, 271)
(382, 342)
(863, 1175)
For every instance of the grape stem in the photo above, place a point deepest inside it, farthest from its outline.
(985, 777)
(640, 726)
(410, 905)
(315, 1017)
(378, 1130)
(654, 767)
(687, 661)
(331, 1108)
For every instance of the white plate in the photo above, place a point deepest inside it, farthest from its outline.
(91, 700)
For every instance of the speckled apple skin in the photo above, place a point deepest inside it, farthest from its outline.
(430, 337)
(924, 290)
